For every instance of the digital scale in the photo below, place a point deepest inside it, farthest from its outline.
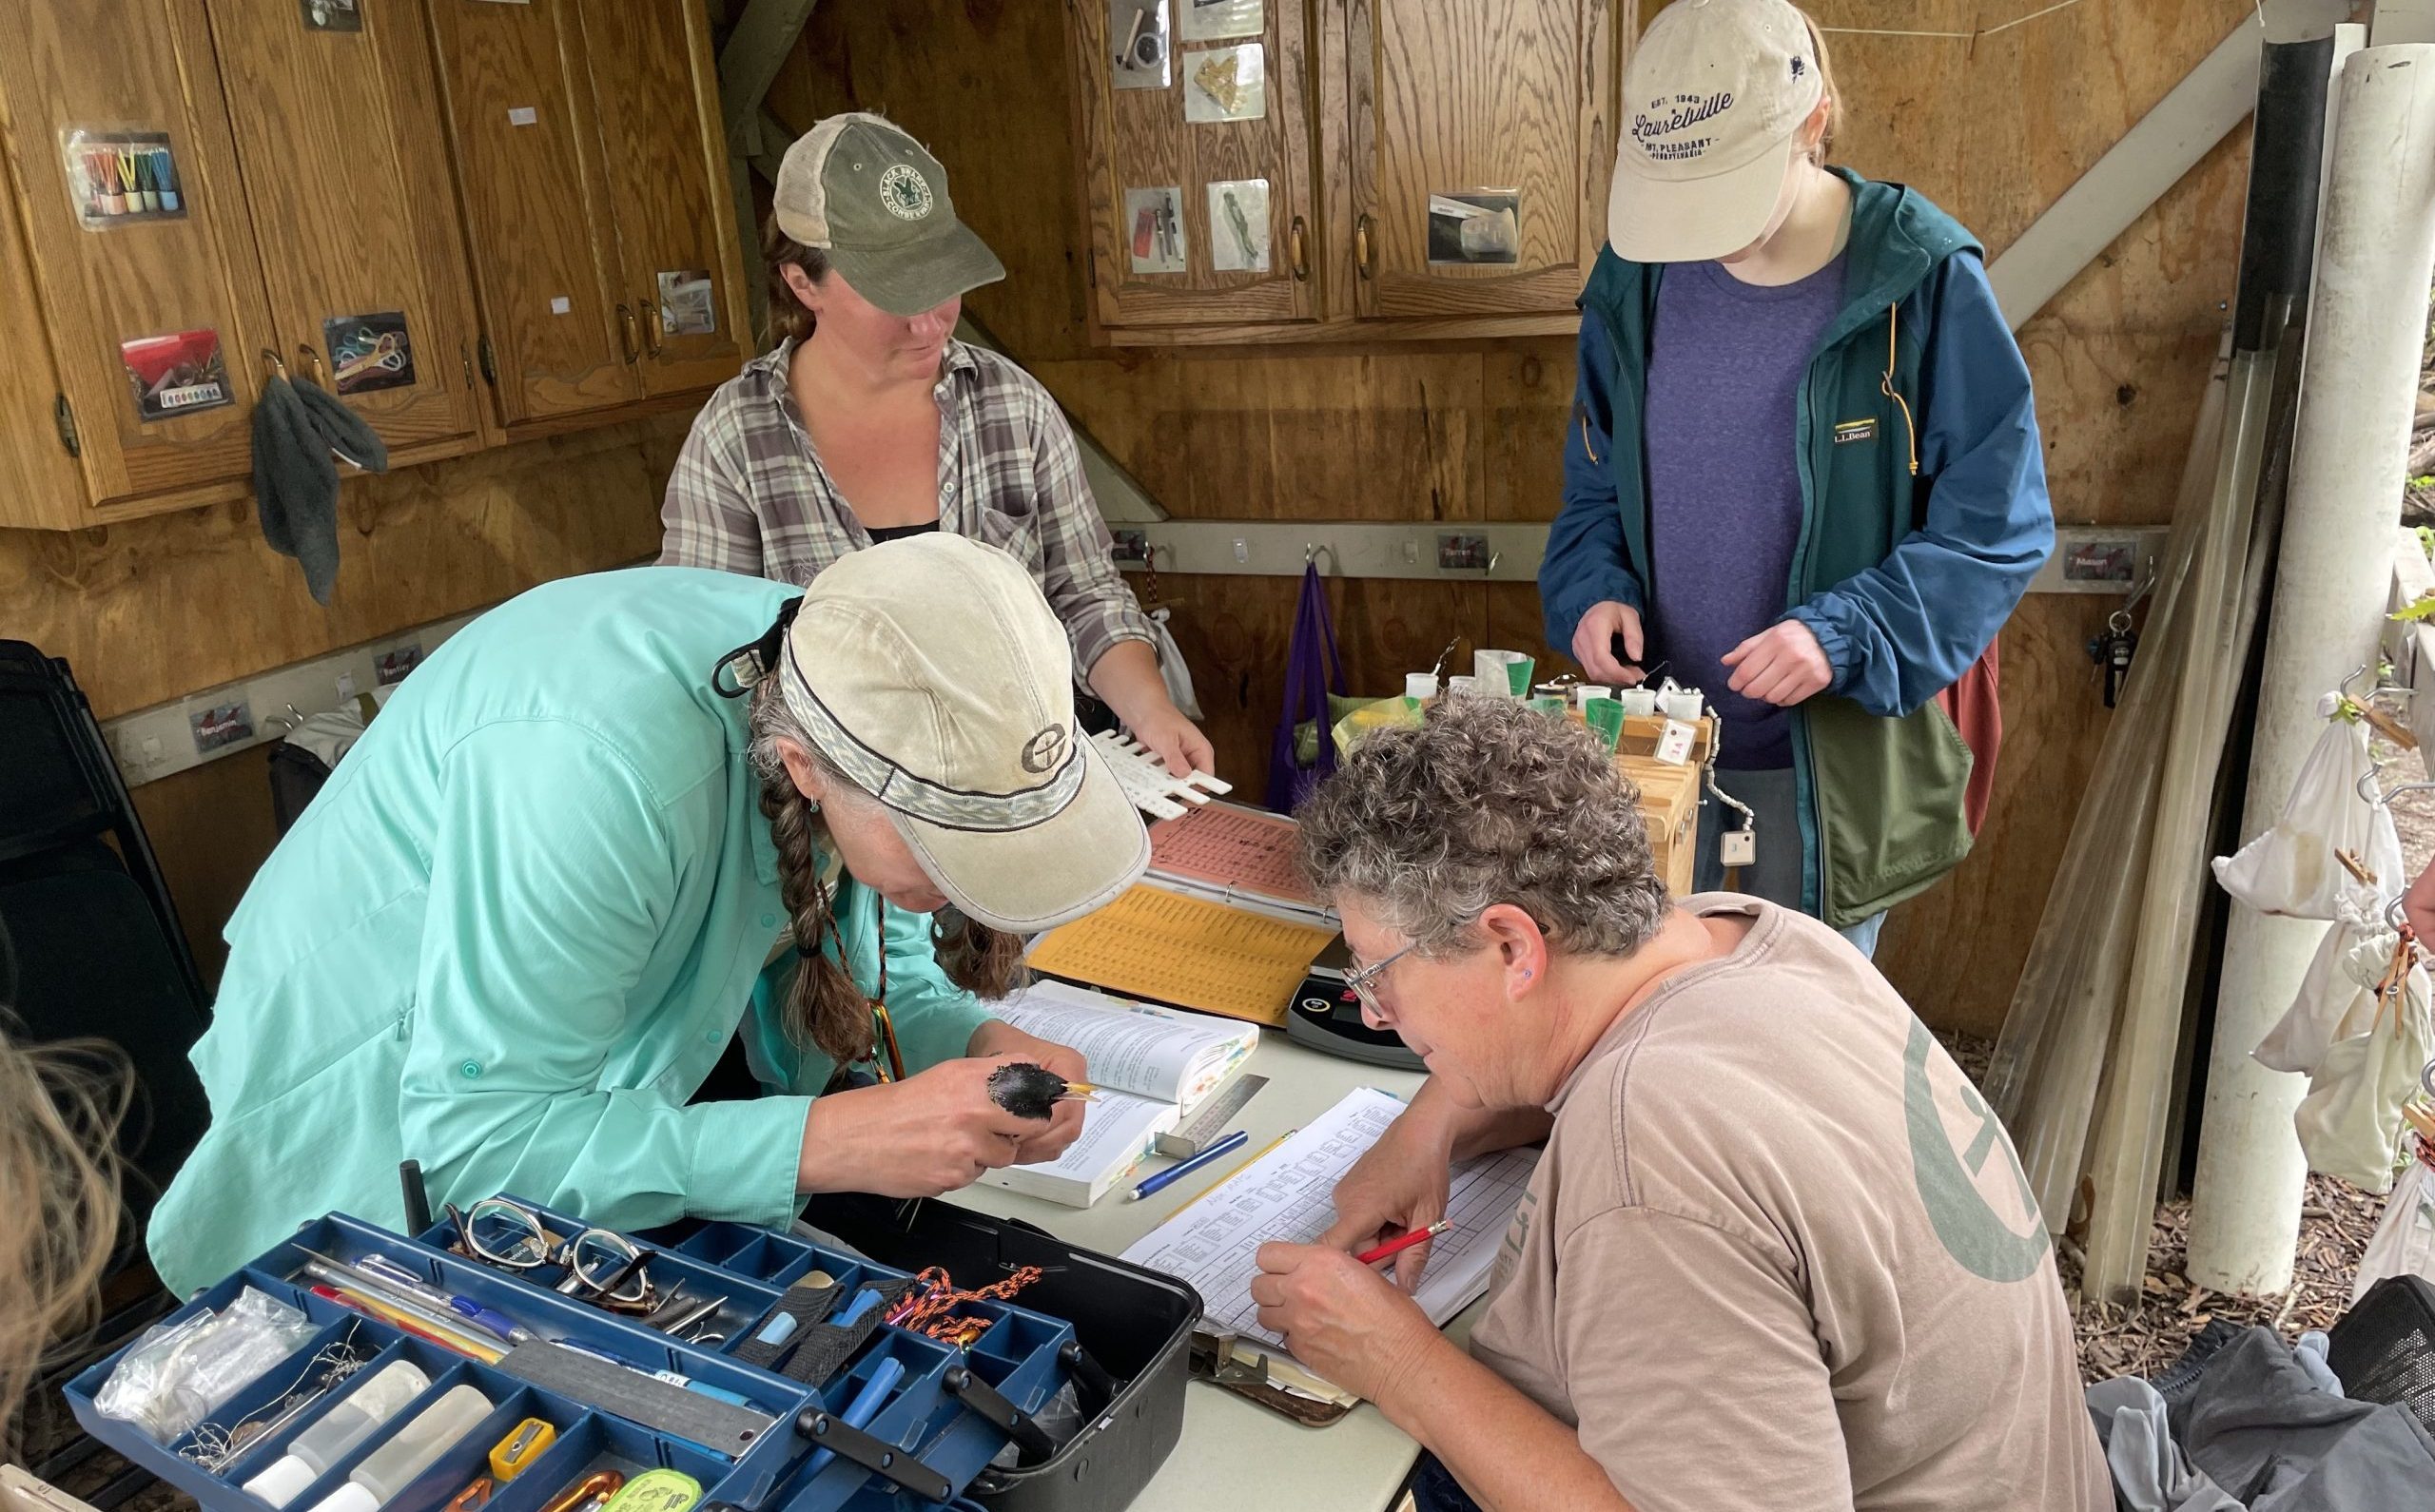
(1326, 1016)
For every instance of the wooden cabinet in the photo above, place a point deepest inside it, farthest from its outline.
(471, 220)
(136, 75)
(336, 132)
(590, 168)
(1435, 168)
(1161, 192)
(656, 91)
(1499, 106)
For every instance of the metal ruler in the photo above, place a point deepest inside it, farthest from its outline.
(1209, 1124)
(639, 1396)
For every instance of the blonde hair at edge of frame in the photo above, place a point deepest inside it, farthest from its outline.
(59, 1201)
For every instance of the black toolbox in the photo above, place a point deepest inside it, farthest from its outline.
(1133, 1323)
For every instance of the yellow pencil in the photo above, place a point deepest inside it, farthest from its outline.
(459, 1340)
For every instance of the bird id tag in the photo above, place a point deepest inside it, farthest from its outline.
(1739, 848)
(1674, 742)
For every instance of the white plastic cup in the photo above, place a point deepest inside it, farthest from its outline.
(1638, 702)
(1504, 674)
(1583, 692)
(1682, 703)
(1421, 687)
(1460, 686)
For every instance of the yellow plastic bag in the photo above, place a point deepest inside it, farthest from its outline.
(1385, 713)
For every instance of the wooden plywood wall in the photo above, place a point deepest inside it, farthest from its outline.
(152, 609)
(1992, 128)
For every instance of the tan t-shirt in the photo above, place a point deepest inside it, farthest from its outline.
(1779, 1256)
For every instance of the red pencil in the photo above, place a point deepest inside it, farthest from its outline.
(1402, 1242)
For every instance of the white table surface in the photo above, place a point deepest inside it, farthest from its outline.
(1234, 1455)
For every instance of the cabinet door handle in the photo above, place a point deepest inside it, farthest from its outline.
(1300, 253)
(650, 326)
(626, 337)
(1361, 247)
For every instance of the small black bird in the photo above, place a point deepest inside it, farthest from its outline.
(1032, 1092)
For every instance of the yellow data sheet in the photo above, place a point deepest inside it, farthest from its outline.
(1164, 946)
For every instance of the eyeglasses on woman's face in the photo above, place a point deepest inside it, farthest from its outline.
(1366, 982)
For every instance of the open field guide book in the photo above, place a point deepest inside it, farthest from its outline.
(1152, 1066)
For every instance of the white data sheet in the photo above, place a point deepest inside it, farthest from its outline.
(1287, 1195)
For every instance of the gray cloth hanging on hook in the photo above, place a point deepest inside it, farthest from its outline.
(300, 434)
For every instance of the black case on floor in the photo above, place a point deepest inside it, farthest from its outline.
(1135, 1323)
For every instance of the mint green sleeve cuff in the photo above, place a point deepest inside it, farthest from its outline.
(745, 1155)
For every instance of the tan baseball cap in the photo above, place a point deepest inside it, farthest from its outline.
(861, 191)
(933, 674)
(1715, 94)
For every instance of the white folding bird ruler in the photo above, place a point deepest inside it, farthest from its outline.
(1147, 781)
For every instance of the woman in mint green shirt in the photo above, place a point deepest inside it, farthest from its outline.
(598, 832)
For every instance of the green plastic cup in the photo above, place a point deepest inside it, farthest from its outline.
(1605, 717)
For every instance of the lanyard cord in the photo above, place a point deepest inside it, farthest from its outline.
(886, 1060)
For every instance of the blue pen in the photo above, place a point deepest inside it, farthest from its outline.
(380, 1273)
(491, 1319)
(1224, 1147)
(865, 1406)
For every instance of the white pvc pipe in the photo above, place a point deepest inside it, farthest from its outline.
(2366, 319)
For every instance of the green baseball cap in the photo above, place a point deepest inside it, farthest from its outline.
(861, 191)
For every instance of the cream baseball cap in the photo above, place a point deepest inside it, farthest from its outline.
(933, 674)
(1715, 94)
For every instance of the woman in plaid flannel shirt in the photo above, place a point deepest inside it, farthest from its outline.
(868, 397)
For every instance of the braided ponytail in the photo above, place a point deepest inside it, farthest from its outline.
(824, 1007)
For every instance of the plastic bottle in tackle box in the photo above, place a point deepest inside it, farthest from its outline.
(409, 1452)
(347, 1424)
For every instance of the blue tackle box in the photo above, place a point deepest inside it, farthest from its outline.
(1024, 1356)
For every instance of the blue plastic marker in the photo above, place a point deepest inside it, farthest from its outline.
(780, 1327)
(865, 1405)
(863, 1301)
(1222, 1149)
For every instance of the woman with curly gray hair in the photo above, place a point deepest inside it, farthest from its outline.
(1777, 1252)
